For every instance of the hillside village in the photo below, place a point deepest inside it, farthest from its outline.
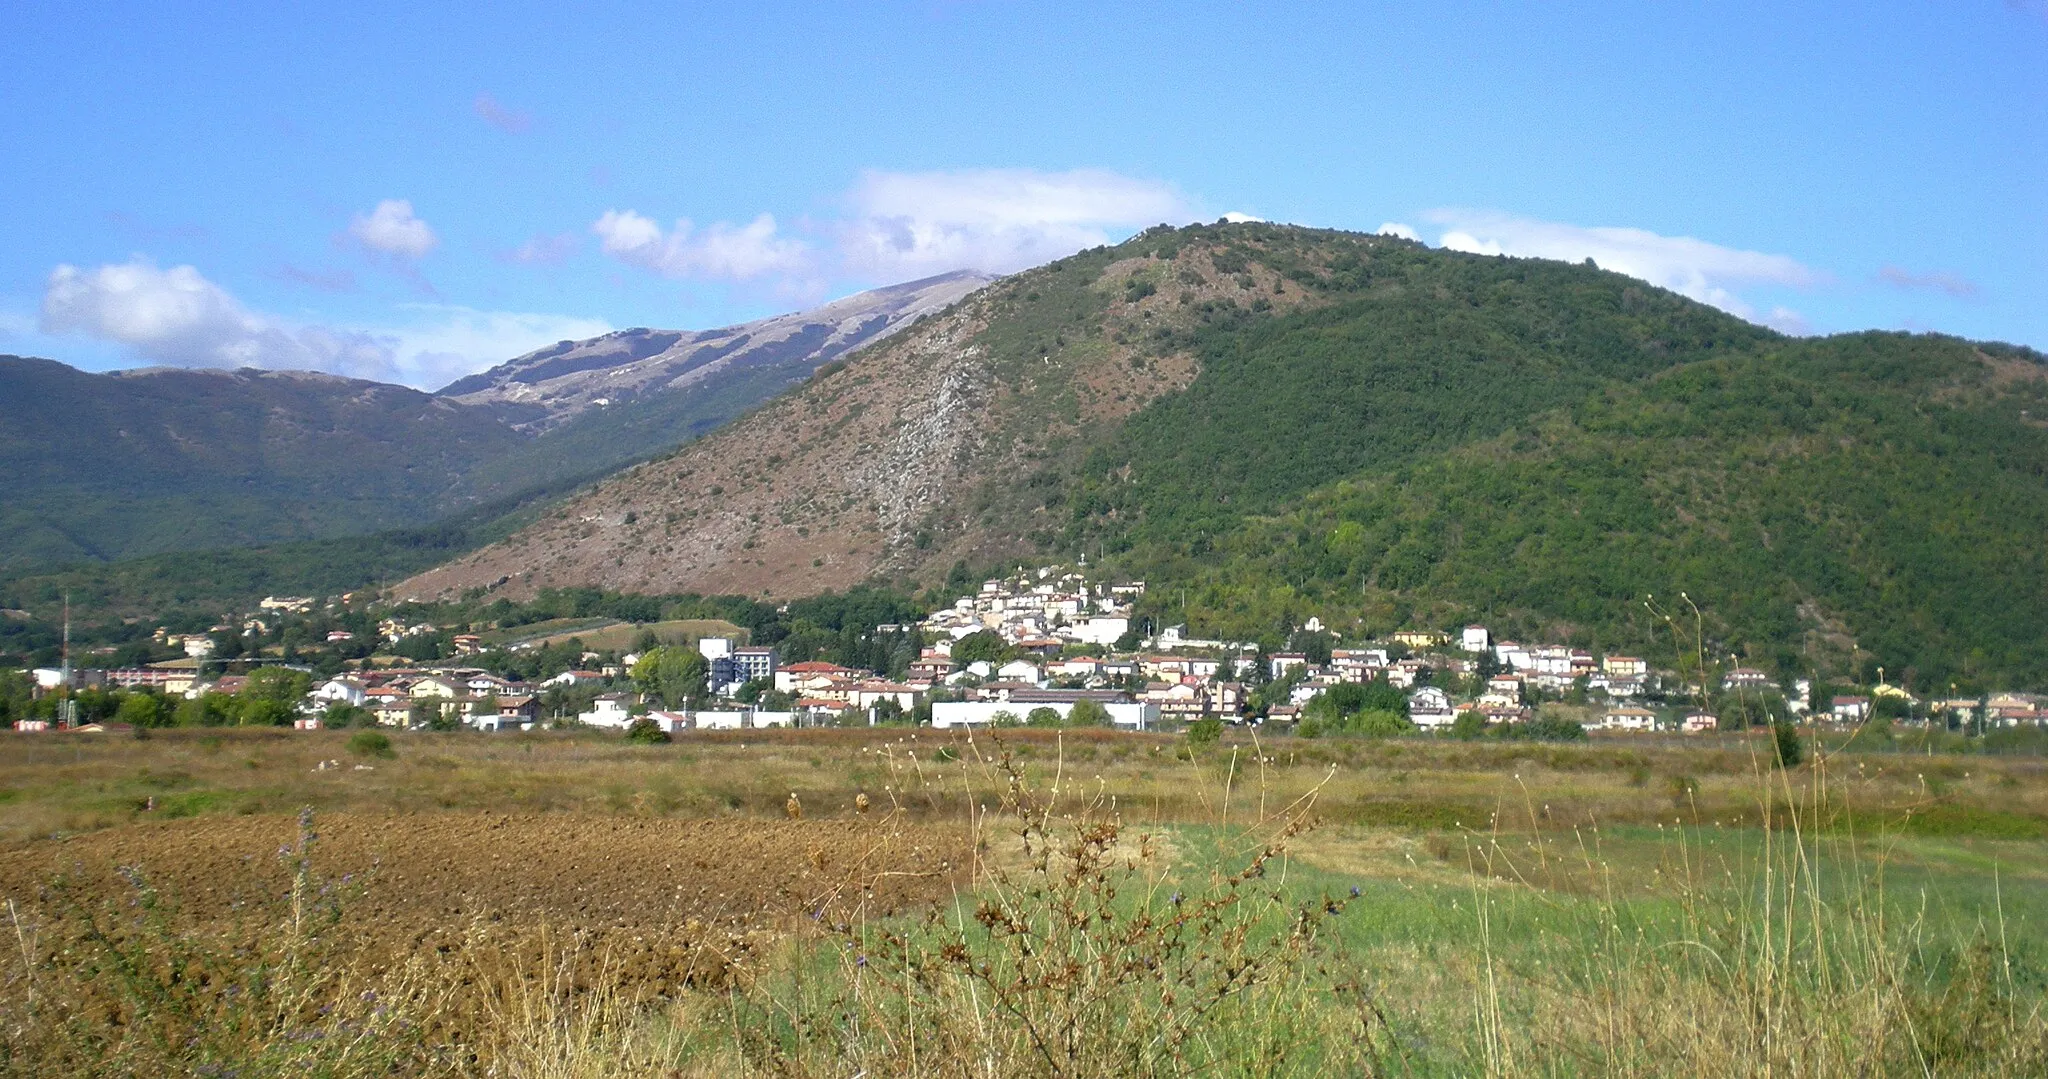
(1046, 647)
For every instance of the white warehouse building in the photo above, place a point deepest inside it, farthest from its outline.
(1127, 714)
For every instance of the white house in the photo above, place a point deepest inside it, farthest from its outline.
(340, 691)
(1628, 718)
(1475, 639)
(1430, 708)
(609, 710)
(1099, 629)
(1018, 670)
(670, 722)
(1128, 714)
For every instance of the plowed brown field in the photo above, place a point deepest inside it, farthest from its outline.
(663, 902)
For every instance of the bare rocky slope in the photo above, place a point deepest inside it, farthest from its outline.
(936, 446)
(550, 386)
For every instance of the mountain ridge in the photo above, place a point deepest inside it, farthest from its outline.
(1178, 407)
(552, 385)
(1049, 363)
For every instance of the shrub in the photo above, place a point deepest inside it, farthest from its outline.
(1043, 716)
(1786, 740)
(645, 731)
(364, 743)
(1205, 732)
(1545, 729)
(1087, 713)
(1468, 725)
(1380, 723)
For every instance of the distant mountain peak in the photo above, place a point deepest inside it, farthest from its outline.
(549, 386)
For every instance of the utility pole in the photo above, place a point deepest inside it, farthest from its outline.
(67, 711)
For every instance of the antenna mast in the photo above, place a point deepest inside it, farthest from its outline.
(67, 715)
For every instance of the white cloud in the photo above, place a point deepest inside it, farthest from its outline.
(719, 251)
(1786, 320)
(1237, 217)
(444, 342)
(908, 224)
(509, 120)
(1000, 220)
(543, 250)
(1395, 228)
(392, 229)
(1704, 271)
(1938, 281)
(178, 317)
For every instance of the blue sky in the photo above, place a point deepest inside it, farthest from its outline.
(412, 192)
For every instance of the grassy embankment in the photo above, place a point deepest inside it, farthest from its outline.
(1614, 908)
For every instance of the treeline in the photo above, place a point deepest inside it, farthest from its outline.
(836, 627)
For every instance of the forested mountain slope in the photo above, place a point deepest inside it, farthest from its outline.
(1850, 501)
(102, 466)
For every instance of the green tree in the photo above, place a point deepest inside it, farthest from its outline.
(1468, 725)
(1004, 718)
(1380, 723)
(980, 645)
(263, 712)
(1043, 716)
(278, 684)
(1204, 733)
(205, 710)
(1790, 751)
(672, 675)
(1088, 713)
(143, 710)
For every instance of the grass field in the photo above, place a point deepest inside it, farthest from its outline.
(1077, 903)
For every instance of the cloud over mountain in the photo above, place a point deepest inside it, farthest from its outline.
(718, 251)
(1705, 271)
(997, 220)
(909, 224)
(177, 317)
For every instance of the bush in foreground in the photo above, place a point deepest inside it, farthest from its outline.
(367, 743)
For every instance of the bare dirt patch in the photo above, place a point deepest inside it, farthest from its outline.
(661, 903)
